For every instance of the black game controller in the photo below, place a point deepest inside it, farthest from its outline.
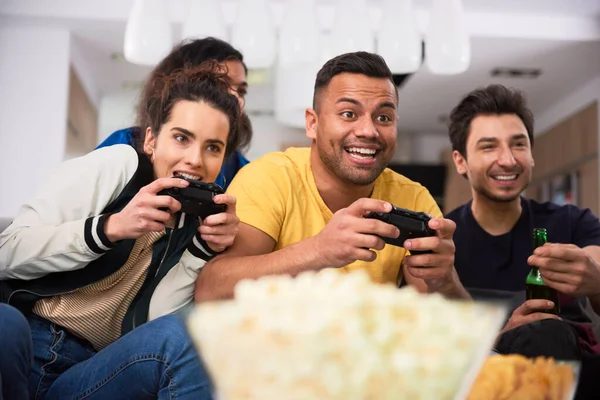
(410, 223)
(197, 198)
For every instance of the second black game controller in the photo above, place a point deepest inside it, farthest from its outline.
(410, 223)
(197, 198)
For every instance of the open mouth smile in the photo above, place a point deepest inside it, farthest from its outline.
(361, 153)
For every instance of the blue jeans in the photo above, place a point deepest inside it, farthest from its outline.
(154, 361)
(15, 354)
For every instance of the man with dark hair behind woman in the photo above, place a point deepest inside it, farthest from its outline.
(99, 251)
(194, 53)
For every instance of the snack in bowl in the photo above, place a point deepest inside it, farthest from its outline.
(338, 336)
(520, 378)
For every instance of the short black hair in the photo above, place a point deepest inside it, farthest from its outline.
(490, 100)
(360, 62)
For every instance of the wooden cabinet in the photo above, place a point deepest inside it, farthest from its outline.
(570, 146)
(82, 120)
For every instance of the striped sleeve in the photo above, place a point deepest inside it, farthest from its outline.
(199, 248)
(94, 234)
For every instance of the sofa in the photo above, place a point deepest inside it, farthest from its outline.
(4, 223)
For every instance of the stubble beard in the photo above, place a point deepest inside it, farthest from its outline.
(333, 161)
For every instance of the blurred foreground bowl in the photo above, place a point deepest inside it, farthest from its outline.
(340, 337)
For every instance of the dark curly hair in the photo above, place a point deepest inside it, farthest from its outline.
(207, 83)
(190, 53)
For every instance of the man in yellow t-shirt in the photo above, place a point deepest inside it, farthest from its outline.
(303, 209)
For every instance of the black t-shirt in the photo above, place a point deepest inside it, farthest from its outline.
(499, 263)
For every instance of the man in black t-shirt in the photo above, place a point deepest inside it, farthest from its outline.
(491, 131)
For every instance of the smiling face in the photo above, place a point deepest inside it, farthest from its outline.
(190, 143)
(498, 159)
(354, 127)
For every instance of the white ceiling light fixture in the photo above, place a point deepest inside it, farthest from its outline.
(148, 36)
(294, 93)
(326, 47)
(205, 18)
(447, 48)
(253, 33)
(398, 39)
(297, 63)
(351, 29)
(299, 33)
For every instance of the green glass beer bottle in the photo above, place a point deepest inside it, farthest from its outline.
(535, 286)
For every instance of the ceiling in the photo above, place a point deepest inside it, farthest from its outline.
(561, 37)
(565, 66)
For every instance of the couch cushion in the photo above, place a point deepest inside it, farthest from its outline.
(4, 223)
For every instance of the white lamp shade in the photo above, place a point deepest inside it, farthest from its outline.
(204, 18)
(294, 92)
(448, 48)
(299, 33)
(327, 52)
(253, 33)
(399, 39)
(148, 37)
(351, 29)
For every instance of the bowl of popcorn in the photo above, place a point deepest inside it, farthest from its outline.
(335, 336)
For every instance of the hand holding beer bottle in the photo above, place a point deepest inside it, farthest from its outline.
(536, 288)
(568, 268)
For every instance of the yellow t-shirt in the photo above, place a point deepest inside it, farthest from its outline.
(278, 195)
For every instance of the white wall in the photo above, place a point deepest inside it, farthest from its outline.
(116, 111)
(269, 136)
(34, 83)
(403, 149)
(84, 71)
(427, 148)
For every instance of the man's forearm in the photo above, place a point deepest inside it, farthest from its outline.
(219, 277)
